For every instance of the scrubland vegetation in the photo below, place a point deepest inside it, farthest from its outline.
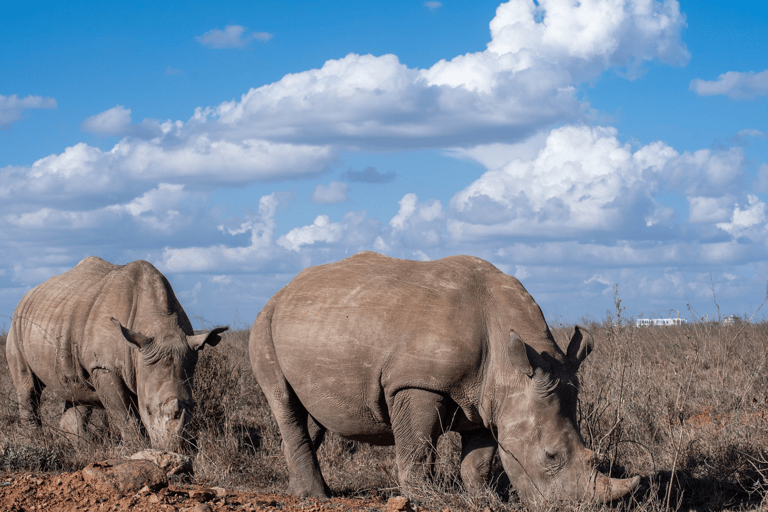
(684, 406)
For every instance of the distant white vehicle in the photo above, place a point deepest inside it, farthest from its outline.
(644, 322)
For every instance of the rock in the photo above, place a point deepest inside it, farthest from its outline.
(201, 494)
(399, 504)
(124, 477)
(171, 462)
(200, 507)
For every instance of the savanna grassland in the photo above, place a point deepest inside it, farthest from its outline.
(684, 406)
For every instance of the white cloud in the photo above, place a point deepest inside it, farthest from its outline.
(736, 85)
(115, 121)
(296, 127)
(233, 36)
(407, 209)
(417, 224)
(749, 221)
(709, 209)
(334, 192)
(322, 230)
(584, 180)
(433, 5)
(522, 82)
(558, 43)
(154, 200)
(222, 257)
(11, 107)
(84, 171)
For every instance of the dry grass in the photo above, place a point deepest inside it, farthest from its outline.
(685, 406)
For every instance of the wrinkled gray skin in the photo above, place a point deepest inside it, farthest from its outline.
(108, 336)
(389, 351)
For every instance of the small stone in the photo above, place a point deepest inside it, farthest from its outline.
(201, 494)
(220, 491)
(124, 477)
(171, 462)
(399, 504)
(200, 507)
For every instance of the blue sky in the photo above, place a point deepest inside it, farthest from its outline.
(576, 145)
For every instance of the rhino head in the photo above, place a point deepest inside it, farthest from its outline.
(164, 369)
(540, 446)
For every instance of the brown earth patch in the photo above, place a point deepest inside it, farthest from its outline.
(70, 492)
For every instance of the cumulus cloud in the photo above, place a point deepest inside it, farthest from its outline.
(556, 44)
(322, 230)
(334, 192)
(417, 223)
(260, 248)
(296, 127)
(233, 36)
(748, 221)
(736, 85)
(523, 81)
(585, 180)
(115, 121)
(709, 210)
(158, 213)
(83, 171)
(12, 107)
(433, 5)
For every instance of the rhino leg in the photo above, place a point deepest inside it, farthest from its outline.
(477, 450)
(316, 432)
(28, 386)
(299, 445)
(73, 421)
(418, 418)
(300, 432)
(119, 404)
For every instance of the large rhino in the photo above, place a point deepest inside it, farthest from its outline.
(108, 336)
(390, 351)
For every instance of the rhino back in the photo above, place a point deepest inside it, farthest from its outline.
(349, 335)
(63, 325)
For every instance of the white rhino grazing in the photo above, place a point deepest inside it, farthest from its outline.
(390, 351)
(111, 336)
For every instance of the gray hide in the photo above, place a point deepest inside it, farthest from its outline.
(108, 336)
(390, 351)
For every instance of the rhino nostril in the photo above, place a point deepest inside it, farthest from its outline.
(173, 408)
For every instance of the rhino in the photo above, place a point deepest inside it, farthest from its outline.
(389, 351)
(108, 336)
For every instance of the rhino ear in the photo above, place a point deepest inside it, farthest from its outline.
(212, 338)
(134, 338)
(518, 355)
(580, 347)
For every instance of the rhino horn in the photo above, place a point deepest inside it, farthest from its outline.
(211, 338)
(608, 489)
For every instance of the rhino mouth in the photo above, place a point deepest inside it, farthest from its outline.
(169, 430)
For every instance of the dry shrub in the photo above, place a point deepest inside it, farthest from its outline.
(237, 438)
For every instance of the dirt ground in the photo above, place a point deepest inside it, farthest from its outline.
(70, 492)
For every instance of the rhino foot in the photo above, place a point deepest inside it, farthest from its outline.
(308, 490)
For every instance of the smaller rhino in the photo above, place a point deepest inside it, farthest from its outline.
(109, 336)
